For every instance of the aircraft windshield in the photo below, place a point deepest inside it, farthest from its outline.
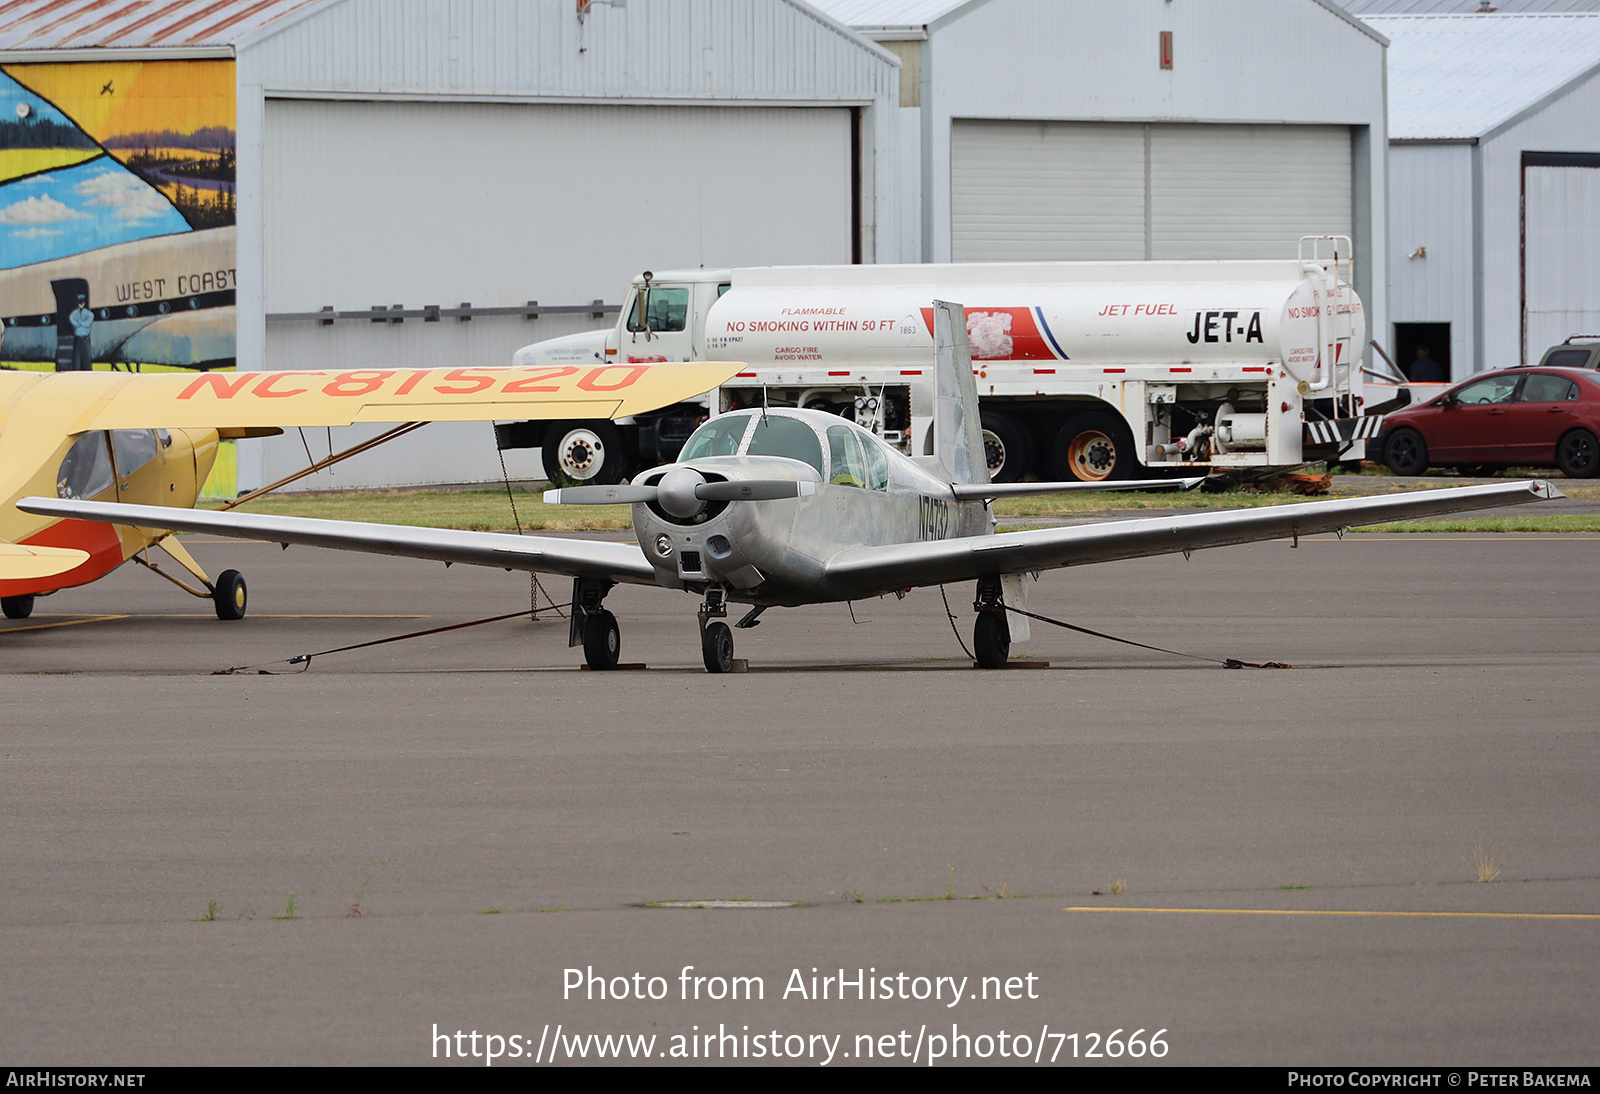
(777, 435)
(718, 437)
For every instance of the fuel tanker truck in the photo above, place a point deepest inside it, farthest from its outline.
(1085, 370)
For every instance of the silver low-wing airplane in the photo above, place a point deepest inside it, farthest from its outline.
(778, 508)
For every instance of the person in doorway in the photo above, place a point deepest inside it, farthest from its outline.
(82, 320)
(1425, 370)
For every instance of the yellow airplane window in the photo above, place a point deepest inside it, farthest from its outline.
(86, 470)
(844, 454)
(133, 449)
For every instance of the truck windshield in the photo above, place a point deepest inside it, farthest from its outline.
(658, 309)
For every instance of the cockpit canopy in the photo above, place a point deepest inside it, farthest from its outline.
(842, 453)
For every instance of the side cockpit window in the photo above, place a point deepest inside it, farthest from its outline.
(877, 464)
(133, 449)
(844, 453)
(86, 470)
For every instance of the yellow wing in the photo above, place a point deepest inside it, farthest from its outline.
(223, 400)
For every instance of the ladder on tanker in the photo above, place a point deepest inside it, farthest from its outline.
(1328, 263)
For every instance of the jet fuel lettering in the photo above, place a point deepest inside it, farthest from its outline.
(1219, 326)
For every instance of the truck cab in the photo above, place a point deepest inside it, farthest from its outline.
(662, 319)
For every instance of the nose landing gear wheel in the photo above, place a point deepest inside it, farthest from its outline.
(991, 640)
(716, 647)
(602, 641)
(229, 595)
(17, 607)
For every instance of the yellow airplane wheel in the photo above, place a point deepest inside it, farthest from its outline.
(17, 607)
(229, 595)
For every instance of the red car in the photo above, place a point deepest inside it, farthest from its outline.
(1541, 417)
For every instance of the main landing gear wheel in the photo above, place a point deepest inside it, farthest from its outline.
(583, 453)
(602, 641)
(716, 647)
(17, 607)
(1093, 447)
(229, 595)
(991, 640)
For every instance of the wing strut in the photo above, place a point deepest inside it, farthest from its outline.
(327, 461)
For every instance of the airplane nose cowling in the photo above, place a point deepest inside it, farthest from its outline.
(675, 492)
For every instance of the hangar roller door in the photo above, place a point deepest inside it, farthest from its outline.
(404, 202)
(1561, 278)
(1038, 191)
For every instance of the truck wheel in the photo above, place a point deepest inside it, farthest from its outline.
(1007, 446)
(583, 453)
(17, 607)
(1093, 447)
(1406, 452)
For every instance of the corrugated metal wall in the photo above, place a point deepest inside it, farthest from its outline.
(1234, 61)
(1569, 124)
(1430, 201)
(538, 158)
(738, 50)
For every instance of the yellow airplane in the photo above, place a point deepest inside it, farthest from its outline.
(152, 439)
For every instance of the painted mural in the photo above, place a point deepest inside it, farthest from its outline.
(117, 213)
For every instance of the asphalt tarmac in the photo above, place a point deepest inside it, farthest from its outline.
(499, 817)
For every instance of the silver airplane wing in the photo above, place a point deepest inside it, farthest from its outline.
(622, 562)
(902, 566)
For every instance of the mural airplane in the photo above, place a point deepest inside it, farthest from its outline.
(151, 441)
(773, 508)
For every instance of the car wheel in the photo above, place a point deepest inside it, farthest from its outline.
(1405, 452)
(1093, 447)
(583, 454)
(1578, 455)
(1007, 447)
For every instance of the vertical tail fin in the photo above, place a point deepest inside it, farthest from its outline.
(957, 434)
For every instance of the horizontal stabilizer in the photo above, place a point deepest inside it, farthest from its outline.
(22, 563)
(1029, 489)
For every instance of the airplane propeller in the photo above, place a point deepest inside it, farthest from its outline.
(683, 492)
